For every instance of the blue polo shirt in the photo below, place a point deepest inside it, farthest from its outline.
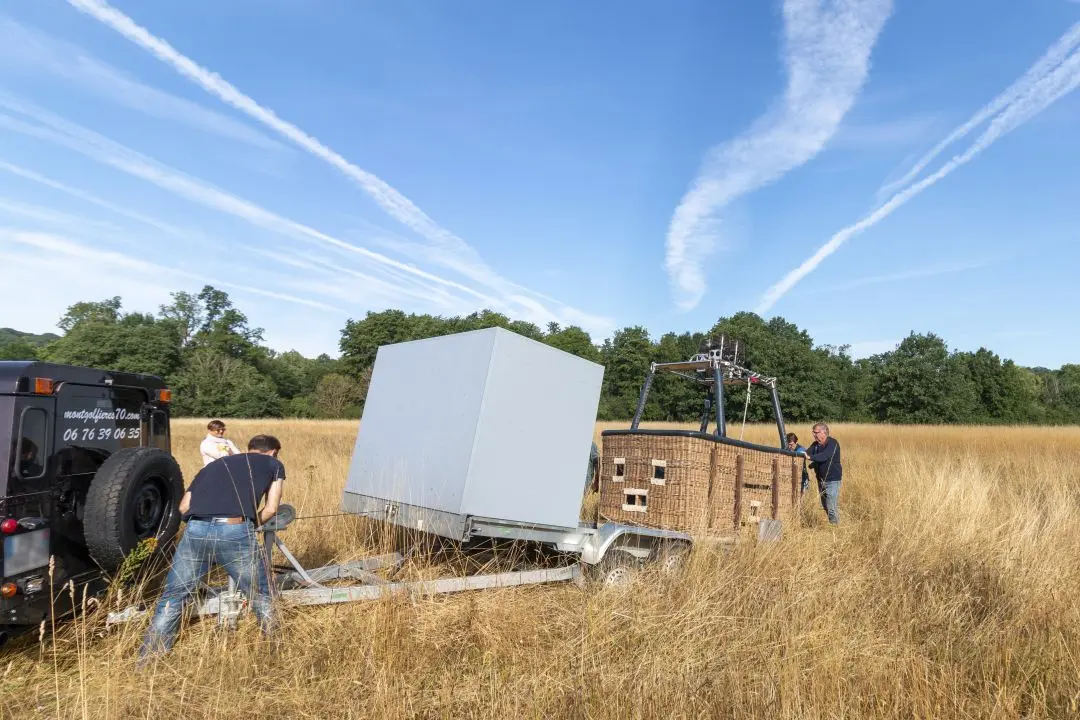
(233, 486)
(825, 460)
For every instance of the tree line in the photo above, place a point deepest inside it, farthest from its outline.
(218, 365)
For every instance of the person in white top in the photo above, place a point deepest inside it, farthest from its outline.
(215, 445)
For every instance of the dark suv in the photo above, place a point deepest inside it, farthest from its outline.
(87, 475)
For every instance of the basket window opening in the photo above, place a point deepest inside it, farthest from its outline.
(635, 500)
(620, 469)
(659, 472)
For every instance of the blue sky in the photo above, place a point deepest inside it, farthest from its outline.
(599, 164)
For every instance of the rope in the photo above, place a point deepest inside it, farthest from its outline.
(746, 409)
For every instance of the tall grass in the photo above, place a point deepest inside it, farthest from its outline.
(950, 590)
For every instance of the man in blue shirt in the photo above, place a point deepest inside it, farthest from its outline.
(221, 507)
(824, 455)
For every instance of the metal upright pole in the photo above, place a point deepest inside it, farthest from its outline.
(779, 417)
(705, 414)
(718, 390)
(641, 400)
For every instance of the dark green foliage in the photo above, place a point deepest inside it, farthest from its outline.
(19, 349)
(16, 345)
(217, 365)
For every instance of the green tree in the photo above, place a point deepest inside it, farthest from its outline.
(573, 340)
(676, 398)
(213, 383)
(627, 356)
(361, 339)
(810, 381)
(1000, 388)
(921, 383)
(1066, 407)
(105, 311)
(339, 396)
(19, 350)
(104, 337)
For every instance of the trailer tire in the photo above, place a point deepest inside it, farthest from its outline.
(617, 568)
(672, 556)
(134, 495)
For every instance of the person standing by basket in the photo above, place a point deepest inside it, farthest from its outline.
(221, 508)
(794, 446)
(824, 455)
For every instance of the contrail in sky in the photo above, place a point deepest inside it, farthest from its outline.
(1057, 53)
(58, 244)
(102, 149)
(88, 197)
(827, 53)
(459, 255)
(1022, 104)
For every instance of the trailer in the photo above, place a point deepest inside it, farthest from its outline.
(474, 440)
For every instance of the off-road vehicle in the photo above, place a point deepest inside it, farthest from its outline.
(87, 476)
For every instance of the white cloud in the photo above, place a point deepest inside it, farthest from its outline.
(827, 53)
(1022, 104)
(22, 47)
(448, 249)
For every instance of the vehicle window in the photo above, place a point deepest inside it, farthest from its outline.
(30, 452)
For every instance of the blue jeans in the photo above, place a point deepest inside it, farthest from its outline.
(204, 544)
(830, 499)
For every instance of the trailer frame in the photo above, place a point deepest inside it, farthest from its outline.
(611, 553)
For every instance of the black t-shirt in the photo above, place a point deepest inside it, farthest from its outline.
(233, 486)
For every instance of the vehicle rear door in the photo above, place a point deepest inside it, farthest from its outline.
(29, 492)
(32, 449)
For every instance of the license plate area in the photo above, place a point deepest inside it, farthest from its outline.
(25, 552)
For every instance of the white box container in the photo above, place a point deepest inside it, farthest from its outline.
(484, 423)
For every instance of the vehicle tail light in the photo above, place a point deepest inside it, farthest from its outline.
(43, 386)
(164, 395)
(9, 525)
(8, 590)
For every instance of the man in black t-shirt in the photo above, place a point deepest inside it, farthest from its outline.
(221, 507)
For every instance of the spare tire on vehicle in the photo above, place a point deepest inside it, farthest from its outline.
(134, 495)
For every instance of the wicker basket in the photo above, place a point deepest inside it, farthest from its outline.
(695, 483)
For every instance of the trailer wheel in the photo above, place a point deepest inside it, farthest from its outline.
(672, 556)
(617, 569)
(134, 495)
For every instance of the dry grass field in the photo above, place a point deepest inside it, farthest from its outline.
(950, 590)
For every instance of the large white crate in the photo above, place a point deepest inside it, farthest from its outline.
(484, 423)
